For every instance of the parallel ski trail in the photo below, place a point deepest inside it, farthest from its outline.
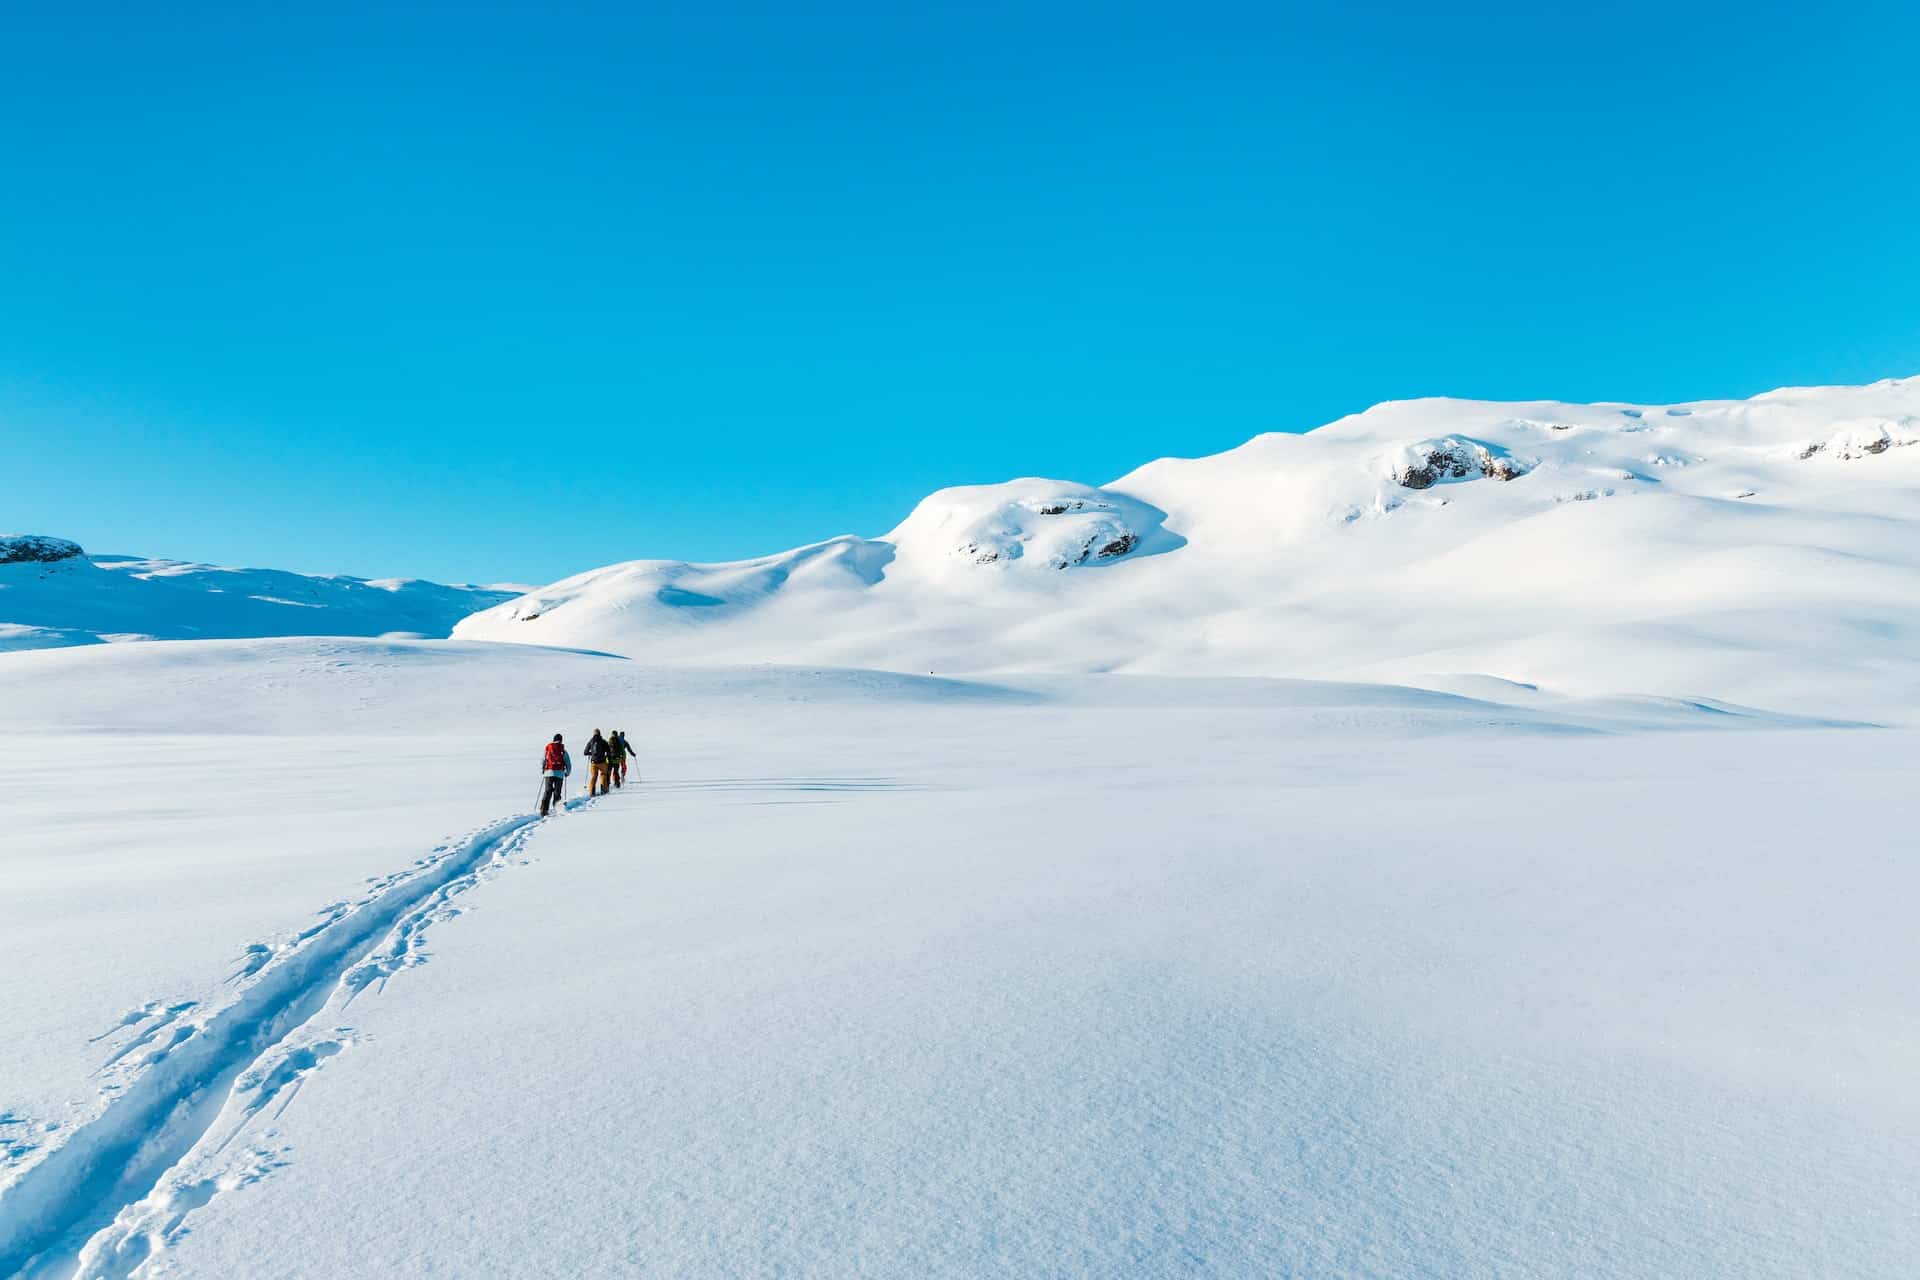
(108, 1170)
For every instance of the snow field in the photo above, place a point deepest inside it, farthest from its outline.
(881, 975)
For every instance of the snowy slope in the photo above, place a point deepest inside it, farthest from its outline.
(52, 594)
(1045, 971)
(1764, 550)
(877, 974)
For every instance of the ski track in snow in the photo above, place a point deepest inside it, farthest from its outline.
(120, 1188)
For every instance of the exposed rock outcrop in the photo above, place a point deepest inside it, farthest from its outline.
(36, 548)
(1025, 526)
(1864, 439)
(1426, 464)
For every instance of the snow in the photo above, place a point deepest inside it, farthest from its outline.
(52, 594)
(1765, 551)
(880, 974)
(1468, 839)
(1023, 525)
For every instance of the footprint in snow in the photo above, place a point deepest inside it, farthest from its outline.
(164, 1018)
(252, 961)
(159, 1221)
(16, 1141)
(281, 1079)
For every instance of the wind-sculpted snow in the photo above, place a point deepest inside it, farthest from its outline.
(671, 587)
(1766, 551)
(1023, 527)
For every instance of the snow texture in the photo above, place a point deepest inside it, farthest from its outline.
(874, 974)
(1466, 840)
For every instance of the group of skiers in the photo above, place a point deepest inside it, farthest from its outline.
(607, 758)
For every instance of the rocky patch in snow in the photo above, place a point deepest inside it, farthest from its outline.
(1863, 440)
(1032, 524)
(1432, 462)
(36, 548)
(1096, 534)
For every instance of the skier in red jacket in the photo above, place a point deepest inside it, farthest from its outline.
(555, 765)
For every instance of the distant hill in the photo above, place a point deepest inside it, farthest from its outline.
(52, 593)
(1764, 550)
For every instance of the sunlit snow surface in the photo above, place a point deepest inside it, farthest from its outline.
(886, 975)
(986, 903)
(1763, 550)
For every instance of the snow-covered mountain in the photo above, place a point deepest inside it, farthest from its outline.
(1765, 550)
(1099, 975)
(52, 593)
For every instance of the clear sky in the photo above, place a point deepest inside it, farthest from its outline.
(503, 293)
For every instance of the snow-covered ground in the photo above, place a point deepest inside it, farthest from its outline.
(52, 593)
(1466, 840)
(1764, 550)
(881, 974)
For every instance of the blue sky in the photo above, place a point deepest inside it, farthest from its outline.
(488, 292)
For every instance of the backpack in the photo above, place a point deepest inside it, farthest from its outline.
(556, 757)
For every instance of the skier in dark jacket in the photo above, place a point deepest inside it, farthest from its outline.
(600, 764)
(621, 751)
(555, 765)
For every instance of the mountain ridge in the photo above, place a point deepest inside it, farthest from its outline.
(54, 594)
(1762, 551)
(1685, 549)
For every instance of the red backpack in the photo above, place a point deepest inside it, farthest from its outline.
(556, 756)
